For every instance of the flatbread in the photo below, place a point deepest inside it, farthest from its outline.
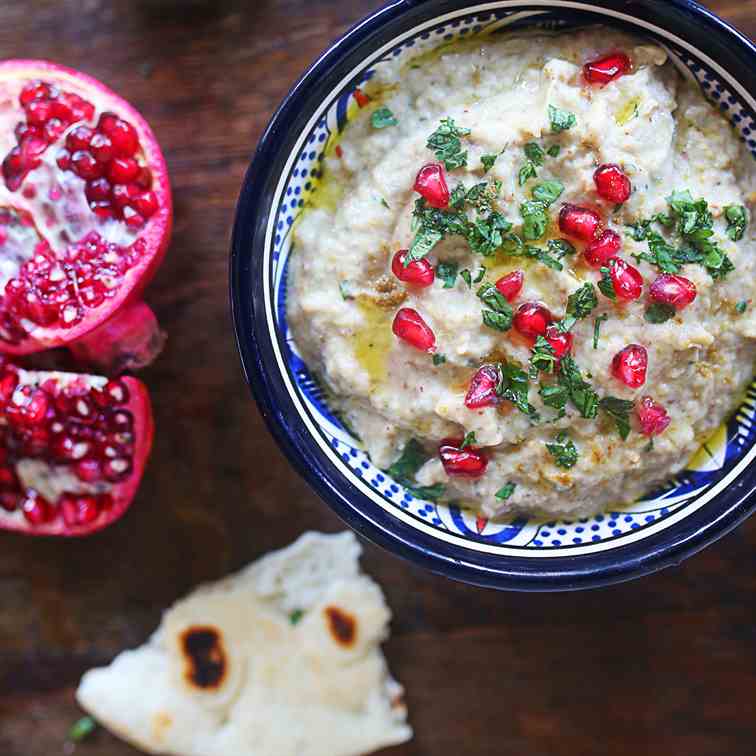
(280, 659)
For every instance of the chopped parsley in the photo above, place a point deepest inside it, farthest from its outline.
(548, 192)
(505, 491)
(466, 277)
(561, 120)
(468, 440)
(513, 386)
(404, 469)
(597, 328)
(295, 617)
(430, 225)
(742, 306)
(499, 316)
(447, 272)
(383, 117)
(439, 359)
(554, 150)
(606, 285)
(556, 250)
(488, 162)
(534, 220)
(554, 396)
(534, 153)
(619, 410)
(582, 302)
(563, 450)
(82, 729)
(446, 145)
(659, 312)
(345, 289)
(581, 393)
(737, 220)
(479, 276)
(382, 200)
(543, 357)
(486, 235)
(528, 171)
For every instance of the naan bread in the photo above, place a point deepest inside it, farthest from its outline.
(280, 659)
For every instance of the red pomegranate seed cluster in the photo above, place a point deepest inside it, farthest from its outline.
(50, 291)
(49, 112)
(77, 427)
(105, 157)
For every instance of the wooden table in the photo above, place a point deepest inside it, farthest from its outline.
(662, 665)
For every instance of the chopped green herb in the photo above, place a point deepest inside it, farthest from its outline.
(554, 150)
(548, 192)
(345, 288)
(528, 171)
(563, 450)
(597, 328)
(659, 312)
(486, 235)
(582, 301)
(542, 357)
(446, 145)
(296, 616)
(649, 446)
(606, 285)
(439, 359)
(742, 306)
(424, 241)
(383, 117)
(82, 729)
(468, 440)
(619, 410)
(580, 392)
(513, 386)
(499, 316)
(566, 324)
(488, 162)
(447, 272)
(554, 396)
(505, 491)
(457, 197)
(382, 201)
(534, 219)
(561, 120)
(466, 277)
(403, 471)
(561, 248)
(534, 153)
(430, 226)
(479, 277)
(427, 493)
(737, 220)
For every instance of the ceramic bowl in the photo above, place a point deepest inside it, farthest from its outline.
(703, 503)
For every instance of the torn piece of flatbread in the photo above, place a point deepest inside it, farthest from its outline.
(280, 659)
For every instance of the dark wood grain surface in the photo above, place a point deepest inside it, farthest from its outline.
(664, 665)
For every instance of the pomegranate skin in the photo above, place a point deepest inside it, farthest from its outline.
(155, 232)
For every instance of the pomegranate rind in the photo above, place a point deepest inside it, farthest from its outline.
(157, 230)
(123, 493)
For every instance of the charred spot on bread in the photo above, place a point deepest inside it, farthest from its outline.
(206, 661)
(343, 626)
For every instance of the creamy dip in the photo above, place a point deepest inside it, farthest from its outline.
(573, 422)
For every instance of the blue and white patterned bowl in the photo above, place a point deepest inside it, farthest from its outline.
(711, 497)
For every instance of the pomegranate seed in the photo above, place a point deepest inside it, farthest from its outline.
(132, 217)
(467, 463)
(114, 392)
(88, 470)
(630, 365)
(123, 194)
(607, 69)
(532, 319)
(27, 406)
(418, 272)
(9, 501)
(38, 112)
(64, 160)
(79, 510)
(677, 291)
(120, 421)
(69, 449)
(612, 184)
(97, 190)
(123, 170)
(122, 135)
(410, 327)
(85, 166)
(36, 509)
(117, 470)
(579, 222)
(627, 280)
(107, 123)
(598, 253)
(8, 384)
(144, 179)
(61, 111)
(79, 139)
(101, 147)
(35, 90)
(560, 342)
(511, 285)
(653, 418)
(145, 204)
(53, 129)
(431, 185)
(8, 480)
(482, 390)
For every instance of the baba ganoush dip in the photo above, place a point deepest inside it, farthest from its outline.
(527, 277)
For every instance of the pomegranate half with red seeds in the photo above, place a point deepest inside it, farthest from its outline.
(72, 449)
(85, 205)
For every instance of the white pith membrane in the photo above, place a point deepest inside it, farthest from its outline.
(49, 215)
(72, 412)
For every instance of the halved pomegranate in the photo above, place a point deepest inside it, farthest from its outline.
(72, 449)
(85, 205)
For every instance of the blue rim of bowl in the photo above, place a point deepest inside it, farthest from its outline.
(715, 519)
